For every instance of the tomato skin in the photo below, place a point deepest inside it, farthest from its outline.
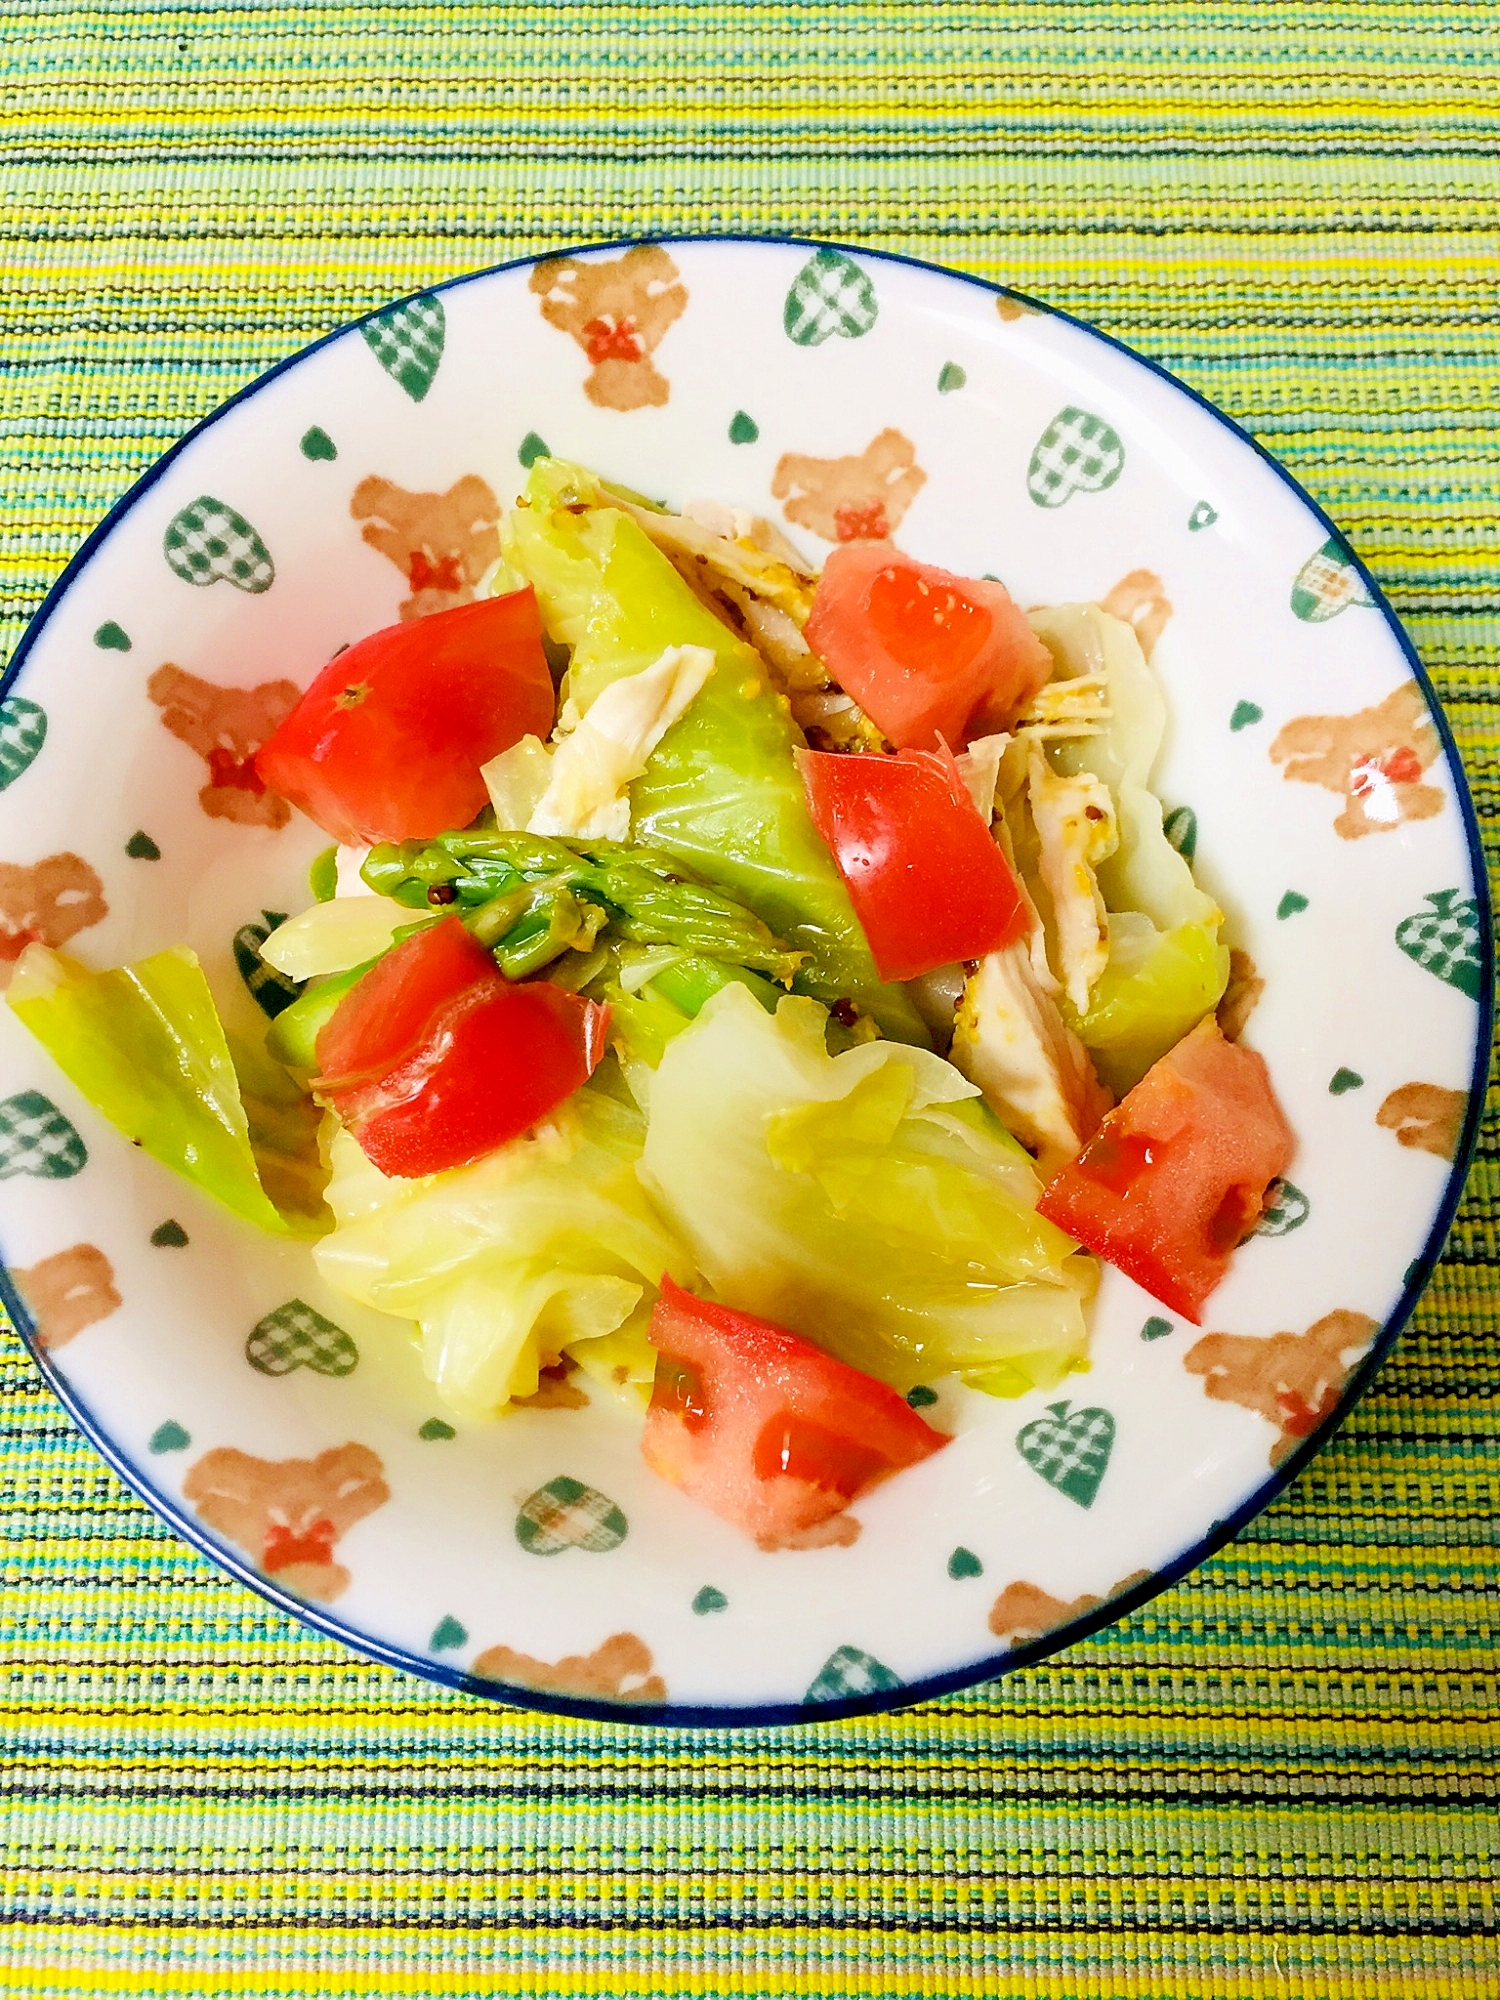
(926, 654)
(441, 1059)
(1176, 1176)
(387, 742)
(763, 1428)
(384, 1017)
(927, 881)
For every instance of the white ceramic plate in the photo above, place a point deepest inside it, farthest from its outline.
(536, 1559)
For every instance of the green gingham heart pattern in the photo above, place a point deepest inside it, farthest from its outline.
(269, 989)
(296, 1336)
(1076, 453)
(23, 731)
(829, 295)
(36, 1139)
(1070, 1449)
(848, 1672)
(1444, 939)
(1287, 1209)
(567, 1514)
(1181, 828)
(209, 542)
(407, 340)
(1327, 584)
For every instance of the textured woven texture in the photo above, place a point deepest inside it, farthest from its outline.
(1279, 1778)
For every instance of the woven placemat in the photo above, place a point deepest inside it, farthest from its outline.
(1276, 1780)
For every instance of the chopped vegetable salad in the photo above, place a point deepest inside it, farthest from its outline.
(760, 993)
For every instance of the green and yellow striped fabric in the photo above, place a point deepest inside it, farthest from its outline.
(1279, 1778)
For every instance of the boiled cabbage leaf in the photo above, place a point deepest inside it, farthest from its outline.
(1166, 968)
(510, 1264)
(1146, 872)
(145, 1046)
(867, 1200)
(1154, 989)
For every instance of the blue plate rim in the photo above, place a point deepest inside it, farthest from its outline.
(994, 1666)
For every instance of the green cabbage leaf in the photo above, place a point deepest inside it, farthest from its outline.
(145, 1046)
(509, 1265)
(1166, 967)
(867, 1200)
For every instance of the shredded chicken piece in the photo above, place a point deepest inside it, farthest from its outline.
(1064, 708)
(1009, 1038)
(833, 721)
(599, 754)
(979, 767)
(778, 639)
(1076, 830)
(739, 560)
(738, 524)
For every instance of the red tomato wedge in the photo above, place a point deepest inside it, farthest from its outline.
(1177, 1175)
(396, 1000)
(927, 881)
(763, 1428)
(387, 742)
(435, 1059)
(924, 653)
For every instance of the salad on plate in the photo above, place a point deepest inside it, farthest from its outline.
(748, 993)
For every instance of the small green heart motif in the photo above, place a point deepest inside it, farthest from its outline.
(829, 295)
(1445, 939)
(1344, 1079)
(848, 1672)
(207, 542)
(1327, 584)
(1076, 453)
(269, 989)
(1289, 1208)
(23, 731)
(1181, 828)
(951, 377)
(1291, 904)
(435, 1428)
(566, 1514)
(112, 637)
(1202, 516)
(141, 847)
(1156, 1329)
(407, 340)
(964, 1562)
(169, 1437)
(1246, 713)
(921, 1398)
(1070, 1449)
(315, 443)
(448, 1634)
(35, 1138)
(743, 429)
(169, 1236)
(532, 448)
(709, 1599)
(295, 1336)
